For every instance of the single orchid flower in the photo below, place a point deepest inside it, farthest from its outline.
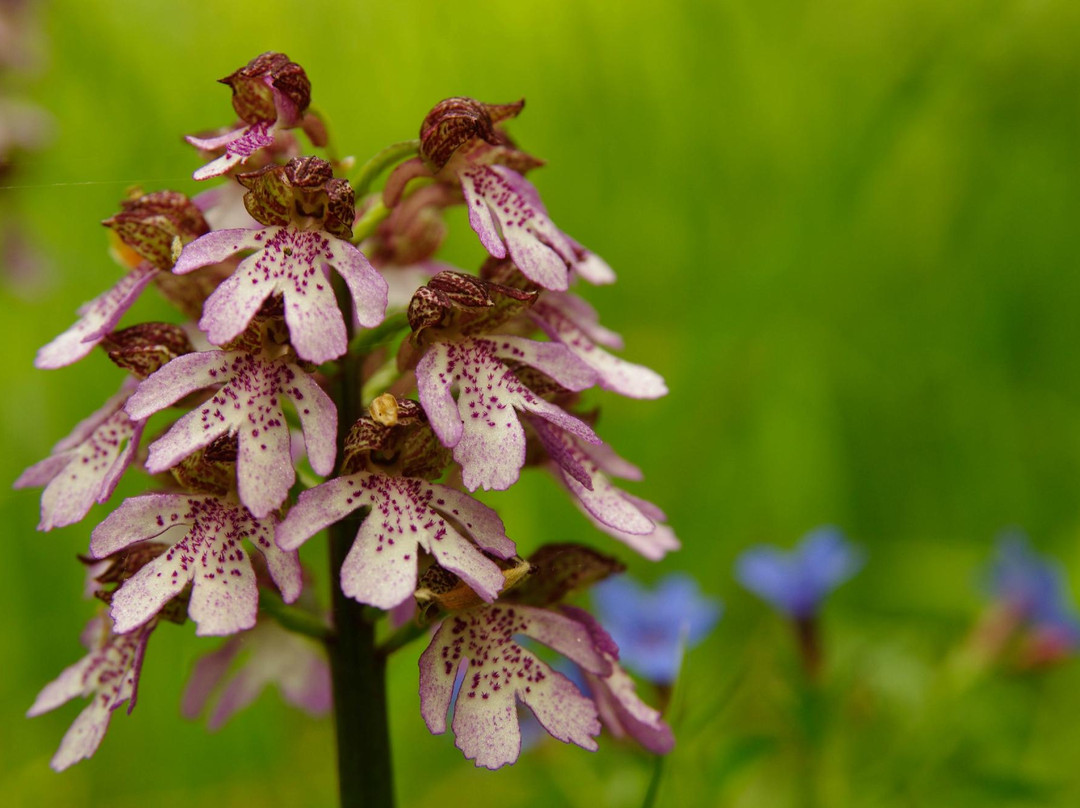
(108, 675)
(206, 551)
(407, 514)
(500, 673)
(480, 424)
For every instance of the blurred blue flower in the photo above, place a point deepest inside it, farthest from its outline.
(796, 582)
(653, 628)
(1035, 589)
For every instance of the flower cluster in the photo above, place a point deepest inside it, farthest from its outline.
(319, 340)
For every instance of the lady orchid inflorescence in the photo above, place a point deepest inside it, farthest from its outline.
(325, 371)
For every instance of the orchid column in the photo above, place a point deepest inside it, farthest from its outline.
(333, 375)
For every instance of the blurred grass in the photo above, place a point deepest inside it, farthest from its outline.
(845, 233)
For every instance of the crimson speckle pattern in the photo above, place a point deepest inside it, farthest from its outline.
(209, 555)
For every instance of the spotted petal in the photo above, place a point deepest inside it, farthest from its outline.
(293, 263)
(239, 145)
(249, 404)
(109, 675)
(87, 465)
(480, 426)
(621, 709)
(615, 374)
(97, 318)
(407, 513)
(500, 673)
(504, 215)
(208, 554)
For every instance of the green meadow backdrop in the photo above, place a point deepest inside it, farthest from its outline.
(846, 233)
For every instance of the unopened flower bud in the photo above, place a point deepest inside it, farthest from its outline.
(305, 192)
(457, 123)
(144, 348)
(453, 302)
(268, 88)
(151, 224)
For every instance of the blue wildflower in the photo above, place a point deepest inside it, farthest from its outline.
(1035, 591)
(796, 582)
(652, 628)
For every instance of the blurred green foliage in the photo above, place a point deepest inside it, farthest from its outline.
(846, 235)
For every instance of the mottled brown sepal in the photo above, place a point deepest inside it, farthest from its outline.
(561, 569)
(406, 448)
(151, 224)
(144, 348)
(253, 87)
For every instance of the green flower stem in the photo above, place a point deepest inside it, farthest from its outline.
(358, 671)
(295, 620)
(369, 221)
(366, 174)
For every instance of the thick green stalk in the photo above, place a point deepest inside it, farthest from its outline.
(365, 774)
(358, 670)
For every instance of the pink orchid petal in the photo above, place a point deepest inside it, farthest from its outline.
(316, 327)
(368, 288)
(615, 374)
(97, 318)
(224, 594)
(230, 307)
(264, 469)
(206, 551)
(624, 713)
(208, 673)
(582, 314)
(483, 523)
(292, 263)
(481, 425)
(83, 737)
(143, 594)
(216, 246)
(434, 379)
(69, 684)
(239, 145)
(500, 672)
(550, 357)
(284, 566)
(653, 545)
(379, 569)
(248, 404)
(480, 218)
(315, 509)
(537, 247)
(407, 513)
(171, 382)
(89, 473)
(139, 518)
(318, 420)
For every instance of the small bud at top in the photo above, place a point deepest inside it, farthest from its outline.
(151, 224)
(270, 87)
(304, 192)
(462, 122)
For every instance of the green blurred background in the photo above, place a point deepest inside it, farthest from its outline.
(845, 233)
